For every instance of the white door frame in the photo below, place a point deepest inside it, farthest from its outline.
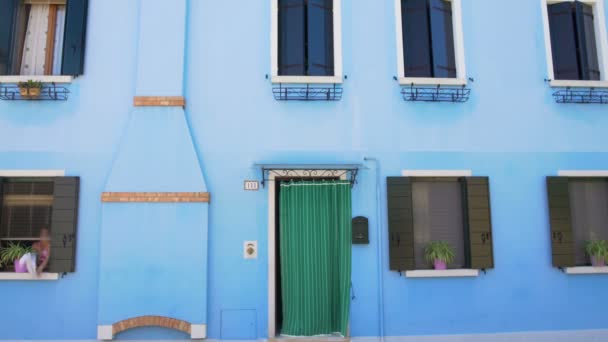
(272, 315)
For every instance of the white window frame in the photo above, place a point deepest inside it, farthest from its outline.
(600, 36)
(40, 78)
(274, 49)
(461, 73)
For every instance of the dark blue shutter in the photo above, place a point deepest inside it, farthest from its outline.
(563, 41)
(320, 30)
(292, 37)
(442, 39)
(587, 48)
(8, 10)
(75, 37)
(416, 38)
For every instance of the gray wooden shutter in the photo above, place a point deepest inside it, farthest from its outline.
(400, 223)
(320, 32)
(292, 36)
(75, 37)
(563, 41)
(479, 219)
(562, 242)
(64, 223)
(587, 51)
(8, 12)
(442, 38)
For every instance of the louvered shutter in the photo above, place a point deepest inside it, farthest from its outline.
(416, 38)
(562, 241)
(587, 52)
(320, 29)
(8, 12)
(563, 41)
(400, 223)
(442, 38)
(64, 224)
(2, 233)
(292, 35)
(75, 37)
(478, 213)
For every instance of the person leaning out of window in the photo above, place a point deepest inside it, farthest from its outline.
(37, 260)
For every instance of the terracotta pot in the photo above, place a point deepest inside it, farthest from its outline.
(34, 92)
(24, 92)
(598, 261)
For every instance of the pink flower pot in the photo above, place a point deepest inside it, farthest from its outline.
(20, 268)
(598, 261)
(440, 265)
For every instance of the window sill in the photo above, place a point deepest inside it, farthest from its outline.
(442, 273)
(307, 79)
(43, 79)
(432, 81)
(586, 270)
(27, 276)
(578, 84)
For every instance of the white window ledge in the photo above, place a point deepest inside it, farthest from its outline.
(578, 84)
(586, 270)
(432, 81)
(442, 273)
(43, 79)
(27, 276)
(307, 79)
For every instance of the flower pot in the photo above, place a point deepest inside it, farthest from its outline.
(34, 92)
(20, 268)
(440, 265)
(29, 92)
(598, 261)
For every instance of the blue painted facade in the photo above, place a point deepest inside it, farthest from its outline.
(510, 130)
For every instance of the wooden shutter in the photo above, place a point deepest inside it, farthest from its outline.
(416, 38)
(587, 51)
(64, 223)
(562, 242)
(8, 12)
(563, 41)
(2, 233)
(400, 223)
(292, 35)
(442, 39)
(479, 222)
(320, 28)
(75, 37)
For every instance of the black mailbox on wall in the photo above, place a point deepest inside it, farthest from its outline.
(360, 230)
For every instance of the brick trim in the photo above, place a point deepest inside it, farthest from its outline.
(151, 321)
(155, 197)
(159, 101)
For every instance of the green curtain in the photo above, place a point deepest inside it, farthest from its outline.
(315, 230)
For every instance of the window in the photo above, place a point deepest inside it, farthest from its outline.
(577, 209)
(430, 42)
(42, 37)
(31, 204)
(306, 41)
(575, 38)
(451, 209)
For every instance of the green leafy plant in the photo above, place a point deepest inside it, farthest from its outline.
(30, 84)
(439, 250)
(13, 252)
(597, 248)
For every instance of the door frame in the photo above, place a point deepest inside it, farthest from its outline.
(305, 174)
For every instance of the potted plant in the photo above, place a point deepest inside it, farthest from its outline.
(12, 254)
(598, 252)
(30, 88)
(439, 253)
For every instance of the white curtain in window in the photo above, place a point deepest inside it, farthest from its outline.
(34, 50)
(59, 32)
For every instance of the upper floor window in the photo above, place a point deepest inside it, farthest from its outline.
(430, 42)
(575, 36)
(306, 41)
(42, 37)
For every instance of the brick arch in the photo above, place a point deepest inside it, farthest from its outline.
(151, 321)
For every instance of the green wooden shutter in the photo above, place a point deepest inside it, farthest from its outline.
(400, 223)
(563, 41)
(64, 223)
(417, 61)
(320, 34)
(292, 38)
(562, 242)
(479, 222)
(8, 12)
(2, 235)
(587, 49)
(442, 39)
(75, 37)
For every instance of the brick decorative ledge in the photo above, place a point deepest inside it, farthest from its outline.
(159, 101)
(155, 197)
(151, 321)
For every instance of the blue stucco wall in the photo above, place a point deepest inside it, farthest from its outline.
(510, 130)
